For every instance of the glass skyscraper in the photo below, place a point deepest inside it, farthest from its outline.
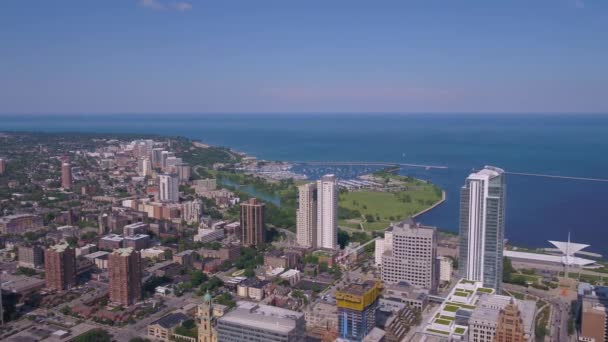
(482, 226)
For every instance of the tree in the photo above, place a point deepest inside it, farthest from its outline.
(197, 278)
(139, 339)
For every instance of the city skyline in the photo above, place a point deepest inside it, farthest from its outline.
(272, 56)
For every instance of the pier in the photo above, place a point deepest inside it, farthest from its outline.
(555, 176)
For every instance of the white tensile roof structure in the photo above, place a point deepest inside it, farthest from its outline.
(568, 249)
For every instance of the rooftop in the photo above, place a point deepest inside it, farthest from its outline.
(171, 320)
(261, 316)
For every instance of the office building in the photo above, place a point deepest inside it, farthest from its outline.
(2, 166)
(31, 256)
(125, 273)
(60, 267)
(261, 323)
(492, 313)
(411, 255)
(306, 216)
(482, 225)
(253, 226)
(357, 304)
(168, 188)
(327, 212)
(593, 313)
(511, 327)
(66, 175)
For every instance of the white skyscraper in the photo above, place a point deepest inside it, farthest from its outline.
(327, 212)
(306, 215)
(482, 226)
(169, 188)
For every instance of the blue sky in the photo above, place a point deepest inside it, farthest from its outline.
(115, 56)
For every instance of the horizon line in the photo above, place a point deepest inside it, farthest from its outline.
(307, 113)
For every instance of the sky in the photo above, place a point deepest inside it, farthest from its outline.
(163, 56)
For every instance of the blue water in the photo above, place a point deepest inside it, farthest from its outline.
(538, 209)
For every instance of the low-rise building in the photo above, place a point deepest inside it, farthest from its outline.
(163, 328)
(111, 242)
(209, 235)
(261, 323)
(397, 296)
(20, 224)
(137, 242)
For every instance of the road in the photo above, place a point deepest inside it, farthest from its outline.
(560, 309)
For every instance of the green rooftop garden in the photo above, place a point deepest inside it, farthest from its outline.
(443, 321)
(463, 306)
(447, 318)
(459, 331)
(438, 331)
(451, 308)
(484, 290)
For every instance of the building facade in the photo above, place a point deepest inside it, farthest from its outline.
(510, 325)
(31, 256)
(60, 267)
(411, 255)
(125, 273)
(66, 175)
(206, 326)
(20, 223)
(482, 225)
(261, 323)
(253, 225)
(168, 188)
(306, 215)
(327, 212)
(357, 304)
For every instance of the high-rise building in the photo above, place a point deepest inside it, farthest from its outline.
(60, 267)
(306, 216)
(168, 188)
(261, 323)
(66, 175)
(164, 155)
(125, 273)
(157, 157)
(357, 304)
(511, 325)
(411, 255)
(31, 256)
(253, 226)
(144, 167)
(184, 171)
(2, 166)
(192, 211)
(482, 227)
(206, 328)
(445, 269)
(327, 212)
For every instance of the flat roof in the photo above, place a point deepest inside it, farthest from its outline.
(262, 316)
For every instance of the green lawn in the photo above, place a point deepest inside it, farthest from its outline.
(385, 207)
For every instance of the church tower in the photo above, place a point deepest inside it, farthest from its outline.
(206, 330)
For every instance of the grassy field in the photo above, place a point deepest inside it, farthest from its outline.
(377, 208)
